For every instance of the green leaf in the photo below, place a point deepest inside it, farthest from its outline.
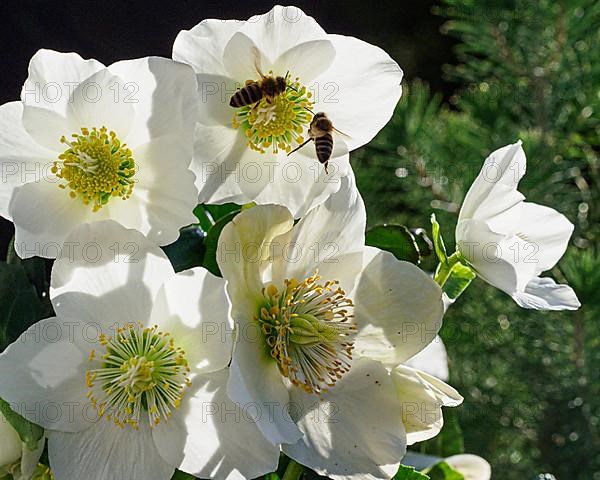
(19, 304)
(189, 249)
(30, 433)
(460, 278)
(409, 473)
(424, 243)
(443, 471)
(178, 475)
(204, 217)
(395, 239)
(211, 242)
(219, 211)
(438, 241)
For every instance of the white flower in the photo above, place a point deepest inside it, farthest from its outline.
(510, 242)
(471, 466)
(16, 458)
(241, 153)
(129, 378)
(323, 323)
(88, 142)
(433, 360)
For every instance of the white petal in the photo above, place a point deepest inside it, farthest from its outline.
(43, 374)
(472, 467)
(306, 60)
(300, 182)
(202, 46)
(47, 127)
(280, 29)
(212, 437)
(244, 60)
(21, 158)
(398, 308)
(107, 452)
(257, 386)
(108, 274)
(244, 246)
(544, 294)
(360, 90)
(165, 194)
(44, 215)
(503, 168)
(324, 239)
(548, 231)
(353, 431)
(96, 103)
(163, 96)
(10, 443)
(214, 93)
(52, 78)
(217, 154)
(433, 360)
(422, 397)
(193, 307)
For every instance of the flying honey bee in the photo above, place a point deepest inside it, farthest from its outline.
(254, 91)
(320, 131)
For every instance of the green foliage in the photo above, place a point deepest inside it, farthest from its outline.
(409, 473)
(29, 433)
(443, 471)
(396, 239)
(527, 70)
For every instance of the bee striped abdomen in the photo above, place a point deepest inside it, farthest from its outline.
(251, 93)
(324, 147)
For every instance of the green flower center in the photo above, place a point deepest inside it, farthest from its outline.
(308, 330)
(42, 472)
(141, 373)
(276, 124)
(95, 167)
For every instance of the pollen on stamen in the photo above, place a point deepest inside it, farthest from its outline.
(95, 167)
(308, 329)
(142, 376)
(276, 124)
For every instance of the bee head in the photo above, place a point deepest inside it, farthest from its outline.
(280, 84)
(322, 122)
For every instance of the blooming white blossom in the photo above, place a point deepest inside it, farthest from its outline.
(88, 142)
(433, 360)
(16, 458)
(323, 324)
(510, 242)
(129, 378)
(241, 154)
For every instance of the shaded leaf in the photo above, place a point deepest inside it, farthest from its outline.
(189, 249)
(178, 475)
(30, 433)
(409, 473)
(395, 239)
(438, 241)
(19, 304)
(211, 242)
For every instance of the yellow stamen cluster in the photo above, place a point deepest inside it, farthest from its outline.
(308, 330)
(95, 167)
(276, 124)
(141, 373)
(42, 472)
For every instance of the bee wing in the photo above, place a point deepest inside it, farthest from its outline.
(257, 63)
(342, 133)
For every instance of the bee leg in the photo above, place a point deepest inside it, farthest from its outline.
(325, 165)
(299, 147)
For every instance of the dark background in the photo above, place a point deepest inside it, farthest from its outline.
(110, 31)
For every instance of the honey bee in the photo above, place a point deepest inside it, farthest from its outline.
(320, 131)
(254, 91)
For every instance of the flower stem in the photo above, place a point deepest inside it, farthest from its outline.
(445, 269)
(293, 471)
